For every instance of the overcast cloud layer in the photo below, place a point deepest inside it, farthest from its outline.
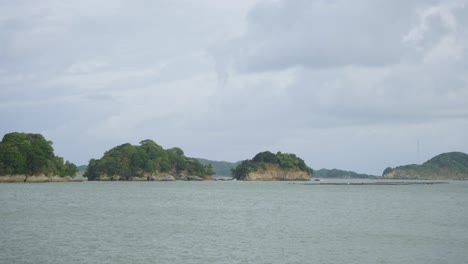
(343, 84)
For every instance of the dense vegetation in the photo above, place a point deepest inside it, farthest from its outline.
(452, 165)
(285, 161)
(335, 173)
(31, 154)
(221, 168)
(146, 159)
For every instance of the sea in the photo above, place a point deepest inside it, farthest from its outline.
(233, 222)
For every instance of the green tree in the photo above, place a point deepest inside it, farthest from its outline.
(266, 157)
(243, 169)
(27, 153)
(148, 158)
(283, 160)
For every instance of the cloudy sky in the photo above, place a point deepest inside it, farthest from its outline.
(343, 84)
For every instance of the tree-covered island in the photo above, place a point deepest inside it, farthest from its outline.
(267, 166)
(147, 161)
(28, 157)
(451, 165)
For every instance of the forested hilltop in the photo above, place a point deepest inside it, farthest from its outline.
(30, 154)
(452, 165)
(147, 161)
(269, 166)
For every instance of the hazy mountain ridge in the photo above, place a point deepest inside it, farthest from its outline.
(81, 170)
(341, 174)
(221, 168)
(451, 165)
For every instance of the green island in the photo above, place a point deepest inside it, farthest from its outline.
(28, 157)
(452, 165)
(146, 162)
(267, 166)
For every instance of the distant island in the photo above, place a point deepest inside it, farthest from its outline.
(342, 174)
(27, 157)
(221, 168)
(81, 169)
(452, 165)
(146, 162)
(266, 166)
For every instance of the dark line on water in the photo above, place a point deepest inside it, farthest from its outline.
(374, 183)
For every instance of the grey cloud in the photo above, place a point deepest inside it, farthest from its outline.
(400, 95)
(318, 34)
(354, 67)
(360, 62)
(317, 78)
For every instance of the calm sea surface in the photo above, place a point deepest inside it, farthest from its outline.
(232, 222)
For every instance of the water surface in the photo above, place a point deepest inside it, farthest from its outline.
(232, 222)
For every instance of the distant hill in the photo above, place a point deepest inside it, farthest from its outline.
(221, 168)
(452, 165)
(82, 169)
(340, 174)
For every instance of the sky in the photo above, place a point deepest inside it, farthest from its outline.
(358, 85)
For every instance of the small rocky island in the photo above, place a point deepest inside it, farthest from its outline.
(267, 166)
(446, 166)
(27, 157)
(146, 162)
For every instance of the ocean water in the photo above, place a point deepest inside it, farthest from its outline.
(232, 222)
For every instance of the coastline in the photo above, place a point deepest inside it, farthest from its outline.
(39, 178)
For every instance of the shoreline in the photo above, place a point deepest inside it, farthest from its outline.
(39, 179)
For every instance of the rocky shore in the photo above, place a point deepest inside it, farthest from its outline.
(274, 173)
(40, 178)
(44, 178)
(161, 177)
